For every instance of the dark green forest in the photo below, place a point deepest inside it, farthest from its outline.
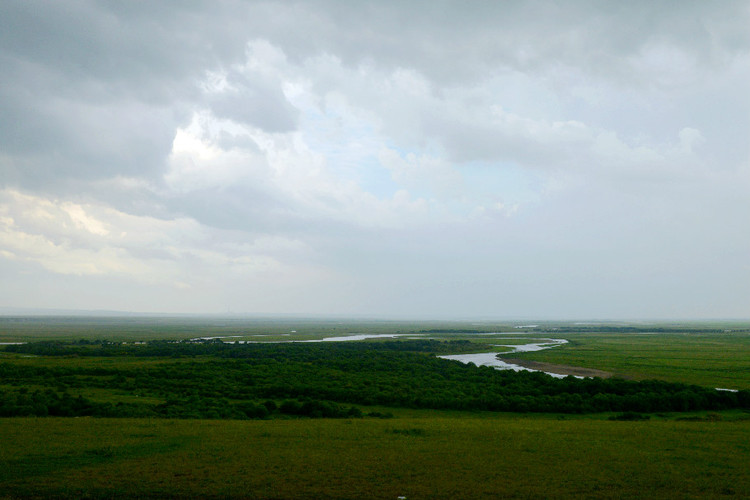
(213, 379)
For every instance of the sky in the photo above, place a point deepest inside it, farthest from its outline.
(422, 159)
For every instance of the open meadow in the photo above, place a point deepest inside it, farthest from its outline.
(383, 417)
(424, 455)
(708, 358)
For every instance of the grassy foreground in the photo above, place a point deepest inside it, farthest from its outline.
(419, 455)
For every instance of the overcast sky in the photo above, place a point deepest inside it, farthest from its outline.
(570, 159)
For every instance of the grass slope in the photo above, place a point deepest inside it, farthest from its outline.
(424, 456)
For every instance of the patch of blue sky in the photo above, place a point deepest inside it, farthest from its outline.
(418, 190)
(504, 182)
(377, 180)
(350, 147)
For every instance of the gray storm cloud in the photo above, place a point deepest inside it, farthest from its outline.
(548, 159)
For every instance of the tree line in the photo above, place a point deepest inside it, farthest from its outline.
(213, 379)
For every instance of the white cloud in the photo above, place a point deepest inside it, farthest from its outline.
(66, 237)
(511, 158)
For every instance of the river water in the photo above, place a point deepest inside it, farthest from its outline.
(480, 359)
(346, 338)
(491, 359)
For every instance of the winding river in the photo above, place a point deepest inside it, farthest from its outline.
(479, 359)
(491, 359)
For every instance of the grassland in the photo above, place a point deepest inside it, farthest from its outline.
(425, 455)
(710, 359)
(711, 354)
(416, 454)
(134, 328)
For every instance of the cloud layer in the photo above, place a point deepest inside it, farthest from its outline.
(514, 159)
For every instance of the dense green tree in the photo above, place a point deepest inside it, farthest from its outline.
(217, 380)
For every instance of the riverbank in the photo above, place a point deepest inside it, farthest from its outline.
(577, 371)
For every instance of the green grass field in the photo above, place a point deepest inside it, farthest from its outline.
(417, 454)
(708, 359)
(424, 455)
(130, 328)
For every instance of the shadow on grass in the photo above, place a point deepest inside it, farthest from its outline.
(42, 464)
